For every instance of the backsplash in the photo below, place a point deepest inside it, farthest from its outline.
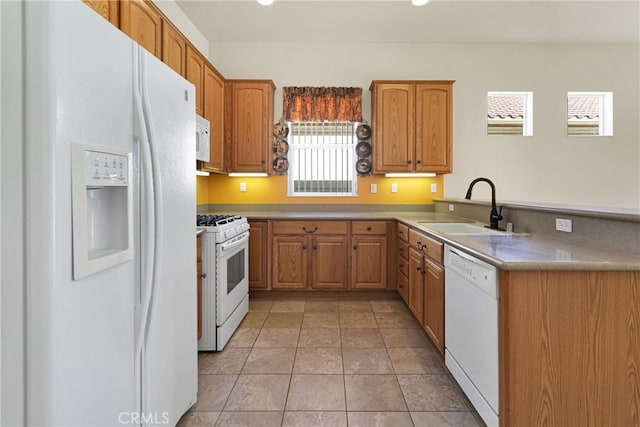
(612, 231)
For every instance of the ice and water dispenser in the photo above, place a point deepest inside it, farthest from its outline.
(102, 208)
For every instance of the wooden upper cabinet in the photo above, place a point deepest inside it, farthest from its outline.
(142, 21)
(214, 112)
(412, 126)
(393, 122)
(174, 47)
(434, 110)
(248, 123)
(107, 8)
(195, 74)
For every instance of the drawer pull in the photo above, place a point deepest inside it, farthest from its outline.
(420, 246)
(401, 265)
(309, 231)
(314, 247)
(401, 250)
(203, 275)
(304, 247)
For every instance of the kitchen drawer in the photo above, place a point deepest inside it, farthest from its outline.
(428, 246)
(310, 227)
(403, 232)
(403, 267)
(368, 227)
(403, 250)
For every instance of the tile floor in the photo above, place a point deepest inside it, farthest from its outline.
(327, 360)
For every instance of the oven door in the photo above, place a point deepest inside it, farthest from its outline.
(232, 275)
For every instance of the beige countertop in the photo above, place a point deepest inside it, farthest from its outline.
(508, 251)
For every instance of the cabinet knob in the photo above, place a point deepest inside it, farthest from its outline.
(314, 247)
(401, 265)
(408, 162)
(263, 162)
(419, 162)
(203, 275)
(401, 250)
(304, 247)
(355, 247)
(368, 228)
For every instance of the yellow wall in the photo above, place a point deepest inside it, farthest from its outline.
(222, 189)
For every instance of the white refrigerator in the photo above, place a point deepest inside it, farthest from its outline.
(106, 137)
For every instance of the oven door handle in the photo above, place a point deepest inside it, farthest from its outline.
(236, 241)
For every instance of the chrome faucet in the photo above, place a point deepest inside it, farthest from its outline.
(494, 216)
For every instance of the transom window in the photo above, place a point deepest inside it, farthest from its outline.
(322, 159)
(510, 113)
(589, 113)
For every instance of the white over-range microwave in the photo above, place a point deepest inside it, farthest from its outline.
(202, 139)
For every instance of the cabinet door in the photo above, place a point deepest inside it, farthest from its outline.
(369, 262)
(434, 304)
(213, 99)
(329, 262)
(258, 255)
(174, 48)
(141, 21)
(393, 127)
(434, 111)
(416, 284)
(251, 117)
(195, 74)
(290, 262)
(107, 8)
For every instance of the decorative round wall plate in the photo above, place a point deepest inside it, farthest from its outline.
(280, 147)
(280, 165)
(280, 130)
(363, 149)
(363, 167)
(363, 132)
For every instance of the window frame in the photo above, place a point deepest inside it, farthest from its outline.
(351, 159)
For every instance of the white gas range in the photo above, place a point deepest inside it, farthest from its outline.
(225, 277)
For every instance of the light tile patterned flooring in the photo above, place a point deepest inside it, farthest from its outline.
(327, 360)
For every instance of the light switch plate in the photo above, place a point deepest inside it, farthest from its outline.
(394, 187)
(452, 207)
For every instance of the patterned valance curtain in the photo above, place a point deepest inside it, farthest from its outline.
(317, 104)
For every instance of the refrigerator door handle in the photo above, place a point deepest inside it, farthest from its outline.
(147, 246)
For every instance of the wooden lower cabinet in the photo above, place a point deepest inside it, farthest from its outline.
(290, 262)
(258, 254)
(368, 262)
(569, 348)
(328, 260)
(302, 262)
(416, 284)
(403, 287)
(434, 304)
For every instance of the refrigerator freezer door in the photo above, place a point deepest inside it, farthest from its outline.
(78, 89)
(169, 368)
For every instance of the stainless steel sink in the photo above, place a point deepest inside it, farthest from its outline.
(460, 229)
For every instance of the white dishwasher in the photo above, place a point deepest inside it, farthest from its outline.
(471, 329)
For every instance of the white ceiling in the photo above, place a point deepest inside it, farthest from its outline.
(397, 21)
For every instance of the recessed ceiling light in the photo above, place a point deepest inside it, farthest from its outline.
(417, 2)
(265, 2)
